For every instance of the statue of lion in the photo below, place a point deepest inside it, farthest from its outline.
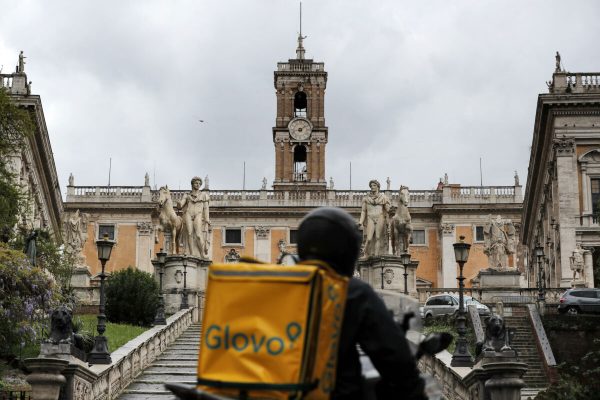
(496, 336)
(61, 325)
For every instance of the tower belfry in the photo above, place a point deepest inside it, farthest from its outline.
(300, 134)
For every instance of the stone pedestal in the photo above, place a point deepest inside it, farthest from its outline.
(493, 278)
(386, 272)
(173, 280)
(496, 376)
(46, 378)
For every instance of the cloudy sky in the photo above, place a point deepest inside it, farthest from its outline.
(415, 89)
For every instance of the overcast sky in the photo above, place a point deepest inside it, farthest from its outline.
(415, 89)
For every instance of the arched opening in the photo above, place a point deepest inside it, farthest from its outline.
(300, 104)
(300, 172)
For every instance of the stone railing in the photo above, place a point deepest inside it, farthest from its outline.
(131, 359)
(300, 67)
(6, 81)
(300, 198)
(580, 82)
(493, 295)
(450, 379)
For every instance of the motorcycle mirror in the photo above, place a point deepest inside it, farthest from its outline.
(434, 343)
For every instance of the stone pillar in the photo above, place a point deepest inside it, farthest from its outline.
(585, 192)
(588, 268)
(46, 378)
(568, 200)
(262, 243)
(388, 267)
(505, 381)
(448, 278)
(145, 244)
(173, 280)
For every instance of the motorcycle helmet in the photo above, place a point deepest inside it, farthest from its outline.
(331, 235)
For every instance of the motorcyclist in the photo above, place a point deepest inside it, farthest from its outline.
(331, 235)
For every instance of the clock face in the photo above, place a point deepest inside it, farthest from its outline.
(300, 128)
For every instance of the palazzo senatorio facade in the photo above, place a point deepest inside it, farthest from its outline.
(262, 223)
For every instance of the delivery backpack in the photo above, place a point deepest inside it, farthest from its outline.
(271, 331)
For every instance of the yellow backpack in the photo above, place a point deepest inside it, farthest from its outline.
(270, 331)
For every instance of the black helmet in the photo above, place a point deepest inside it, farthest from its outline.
(330, 234)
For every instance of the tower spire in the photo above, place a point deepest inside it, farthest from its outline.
(300, 48)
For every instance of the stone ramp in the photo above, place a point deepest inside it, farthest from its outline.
(177, 364)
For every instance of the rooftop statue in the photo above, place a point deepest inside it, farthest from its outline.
(499, 242)
(196, 220)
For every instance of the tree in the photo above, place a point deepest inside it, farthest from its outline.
(131, 297)
(15, 126)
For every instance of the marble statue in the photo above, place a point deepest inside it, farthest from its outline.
(146, 180)
(21, 67)
(499, 242)
(264, 184)
(516, 179)
(445, 178)
(205, 183)
(557, 68)
(374, 221)
(71, 180)
(31, 247)
(196, 220)
(170, 222)
(389, 183)
(75, 234)
(401, 228)
(577, 262)
(330, 183)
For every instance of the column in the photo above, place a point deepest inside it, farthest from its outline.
(588, 267)
(585, 192)
(448, 279)
(145, 244)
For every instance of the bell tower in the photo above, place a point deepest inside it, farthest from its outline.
(300, 134)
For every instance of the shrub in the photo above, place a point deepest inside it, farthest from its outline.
(26, 296)
(131, 297)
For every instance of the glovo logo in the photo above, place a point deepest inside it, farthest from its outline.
(218, 337)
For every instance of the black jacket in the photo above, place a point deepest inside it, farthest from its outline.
(368, 322)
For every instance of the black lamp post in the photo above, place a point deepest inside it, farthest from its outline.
(100, 354)
(405, 261)
(184, 300)
(539, 253)
(461, 356)
(159, 319)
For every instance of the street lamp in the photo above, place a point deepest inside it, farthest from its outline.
(405, 261)
(539, 254)
(100, 354)
(159, 319)
(461, 356)
(184, 300)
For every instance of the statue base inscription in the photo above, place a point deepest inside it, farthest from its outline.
(387, 272)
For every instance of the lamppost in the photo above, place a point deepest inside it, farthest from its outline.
(461, 356)
(539, 253)
(405, 261)
(159, 319)
(184, 300)
(100, 354)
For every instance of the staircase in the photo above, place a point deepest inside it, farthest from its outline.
(177, 364)
(524, 343)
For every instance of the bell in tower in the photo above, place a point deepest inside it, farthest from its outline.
(300, 134)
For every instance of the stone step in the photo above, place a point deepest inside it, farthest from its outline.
(167, 377)
(147, 395)
(176, 359)
(154, 386)
(161, 368)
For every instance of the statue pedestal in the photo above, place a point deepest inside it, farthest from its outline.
(578, 283)
(503, 282)
(173, 280)
(386, 272)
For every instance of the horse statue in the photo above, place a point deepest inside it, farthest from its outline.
(169, 220)
(401, 228)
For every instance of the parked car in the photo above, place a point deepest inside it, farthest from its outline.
(446, 304)
(580, 300)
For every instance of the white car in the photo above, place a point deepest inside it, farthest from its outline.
(447, 304)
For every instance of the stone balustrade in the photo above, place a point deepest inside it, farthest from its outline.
(301, 198)
(580, 82)
(300, 67)
(493, 295)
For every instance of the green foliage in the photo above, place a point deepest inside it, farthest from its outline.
(447, 323)
(15, 126)
(131, 297)
(26, 296)
(117, 334)
(577, 381)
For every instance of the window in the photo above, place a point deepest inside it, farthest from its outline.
(418, 236)
(109, 230)
(233, 236)
(479, 234)
(595, 195)
(300, 104)
(300, 172)
(293, 236)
